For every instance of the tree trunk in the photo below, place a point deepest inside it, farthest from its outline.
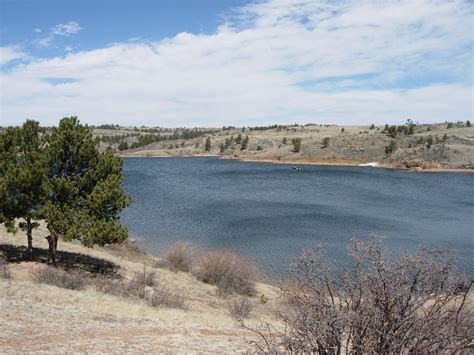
(52, 248)
(29, 235)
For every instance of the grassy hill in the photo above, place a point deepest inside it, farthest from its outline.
(430, 146)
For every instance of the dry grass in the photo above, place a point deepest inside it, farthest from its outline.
(179, 257)
(53, 276)
(227, 270)
(163, 297)
(240, 308)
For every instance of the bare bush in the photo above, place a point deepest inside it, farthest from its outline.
(53, 276)
(110, 286)
(410, 304)
(179, 257)
(137, 285)
(240, 308)
(163, 297)
(228, 270)
(4, 269)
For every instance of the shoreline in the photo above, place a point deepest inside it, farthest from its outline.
(320, 162)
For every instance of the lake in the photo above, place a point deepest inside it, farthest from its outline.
(270, 212)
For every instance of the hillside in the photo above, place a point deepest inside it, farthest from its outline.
(428, 146)
(41, 317)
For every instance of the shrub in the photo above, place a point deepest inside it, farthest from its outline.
(227, 270)
(392, 147)
(379, 304)
(4, 269)
(71, 280)
(296, 145)
(325, 143)
(136, 286)
(165, 298)
(110, 286)
(179, 257)
(240, 308)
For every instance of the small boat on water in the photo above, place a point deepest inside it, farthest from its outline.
(296, 168)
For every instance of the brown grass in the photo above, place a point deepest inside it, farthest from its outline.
(179, 257)
(163, 297)
(227, 270)
(71, 280)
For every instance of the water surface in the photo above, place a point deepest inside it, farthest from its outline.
(269, 212)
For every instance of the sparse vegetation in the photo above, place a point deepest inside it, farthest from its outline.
(179, 257)
(410, 304)
(230, 272)
(207, 144)
(163, 297)
(325, 142)
(240, 308)
(4, 269)
(296, 142)
(392, 147)
(70, 279)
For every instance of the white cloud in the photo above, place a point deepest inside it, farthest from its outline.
(37, 30)
(7, 54)
(277, 61)
(66, 29)
(60, 30)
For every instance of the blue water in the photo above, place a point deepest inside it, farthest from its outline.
(269, 212)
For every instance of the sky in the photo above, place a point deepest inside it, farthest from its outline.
(195, 63)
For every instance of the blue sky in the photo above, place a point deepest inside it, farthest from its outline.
(221, 62)
(104, 22)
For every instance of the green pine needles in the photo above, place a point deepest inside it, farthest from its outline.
(65, 180)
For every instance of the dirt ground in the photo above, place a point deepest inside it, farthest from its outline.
(42, 318)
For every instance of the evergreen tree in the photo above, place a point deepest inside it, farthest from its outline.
(325, 142)
(245, 143)
(284, 141)
(468, 123)
(207, 146)
(22, 178)
(372, 126)
(85, 195)
(392, 147)
(238, 140)
(296, 145)
(221, 148)
(123, 145)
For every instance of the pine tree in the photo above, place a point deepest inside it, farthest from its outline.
(245, 143)
(296, 144)
(22, 178)
(207, 146)
(468, 123)
(238, 140)
(85, 195)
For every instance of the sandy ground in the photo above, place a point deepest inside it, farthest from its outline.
(43, 318)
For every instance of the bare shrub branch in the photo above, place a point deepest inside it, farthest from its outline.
(240, 308)
(179, 257)
(228, 270)
(412, 303)
(50, 275)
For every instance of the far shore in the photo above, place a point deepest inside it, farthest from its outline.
(320, 162)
